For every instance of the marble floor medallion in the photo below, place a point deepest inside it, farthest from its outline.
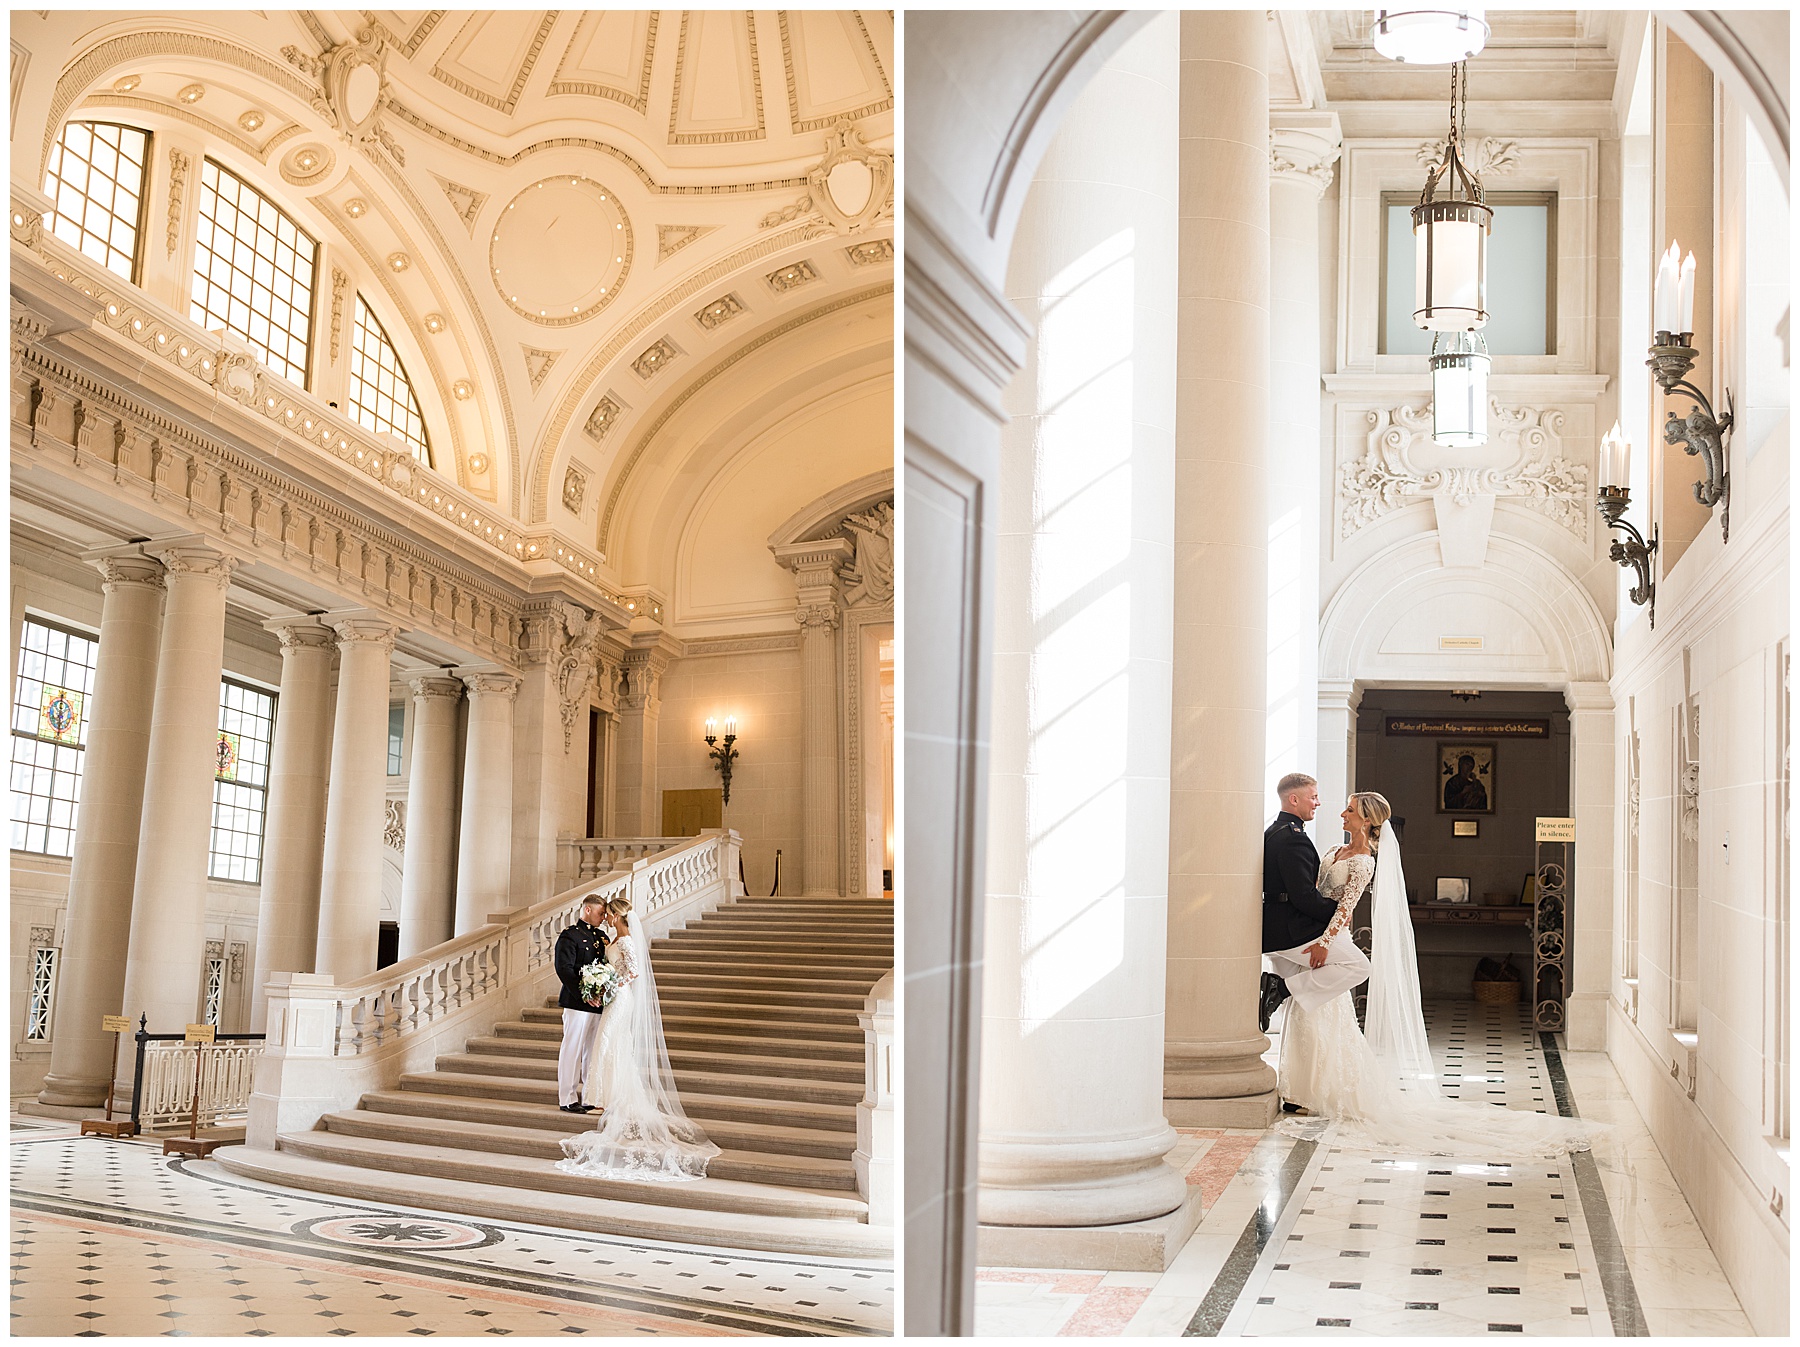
(374, 1232)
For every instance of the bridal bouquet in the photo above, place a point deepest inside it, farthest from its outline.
(600, 981)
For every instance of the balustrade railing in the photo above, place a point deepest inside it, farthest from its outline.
(163, 1082)
(584, 858)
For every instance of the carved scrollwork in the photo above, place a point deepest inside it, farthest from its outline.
(1489, 156)
(393, 832)
(869, 578)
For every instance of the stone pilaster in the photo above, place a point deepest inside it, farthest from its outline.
(1338, 700)
(1213, 1070)
(91, 980)
(1303, 146)
(1592, 762)
(484, 846)
(819, 612)
(427, 898)
(287, 924)
(355, 810)
(637, 802)
(166, 951)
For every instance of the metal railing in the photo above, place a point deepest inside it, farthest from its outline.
(163, 1076)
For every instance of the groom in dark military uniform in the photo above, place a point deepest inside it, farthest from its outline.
(1294, 913)
(579, 945)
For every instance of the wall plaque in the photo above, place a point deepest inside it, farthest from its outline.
(1456, 725)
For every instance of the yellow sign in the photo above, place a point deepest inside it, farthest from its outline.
(115, 1024)
(199, 1033)
(1459, 642)
(1556, 830)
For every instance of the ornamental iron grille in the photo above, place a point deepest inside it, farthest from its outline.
(96, 178)
(50, 706)
(1550, 936)
(43, 991)
(215, 982)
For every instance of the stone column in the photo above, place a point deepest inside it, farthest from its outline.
(91, 980)
(1302, 148)
(287, 923)
(1338, 700)
(167, 942)
(637, 803)
(1213, 1071)
(356, 805)
(427, 898)
(1592, 726)
(820, 614)
(1078, 809)
(484, 843)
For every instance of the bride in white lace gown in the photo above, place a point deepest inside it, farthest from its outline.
(1382, 1089)
(643, 1133)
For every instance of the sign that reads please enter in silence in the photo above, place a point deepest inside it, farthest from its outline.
(1556, 830)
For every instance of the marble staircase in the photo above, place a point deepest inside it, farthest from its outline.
(760, 999)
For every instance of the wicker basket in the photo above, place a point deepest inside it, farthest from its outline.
(1497, 991)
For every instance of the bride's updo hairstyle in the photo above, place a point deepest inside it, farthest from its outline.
(621, 907)
(1375, 811)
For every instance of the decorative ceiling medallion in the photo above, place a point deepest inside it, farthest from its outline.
(465, 201)
(574, 488)
(560, 251)
(853, 185)
(870, 253)
(127, 83)
(356, 208)
(654, 359)
(792, 276)
(305, 165)
(538, 363)
(353, 88)
(398, 261)
(603, 418)
(478, 464)
(463, 389)
(191, 93)
(252, 120)
(671, 239)
(721, 311)
(434, 323)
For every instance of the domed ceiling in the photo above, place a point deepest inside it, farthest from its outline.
(567, 220)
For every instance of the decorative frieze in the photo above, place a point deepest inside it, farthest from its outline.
(179, 164)
(1490, 156)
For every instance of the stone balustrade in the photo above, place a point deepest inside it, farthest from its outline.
(875, 1141)
(583, 858)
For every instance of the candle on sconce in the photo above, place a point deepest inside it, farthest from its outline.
(1666, 309)
(1687, 295)
(731, 726)
(711, 726)
(1615, 458)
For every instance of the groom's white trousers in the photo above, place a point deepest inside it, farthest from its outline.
(1345, 967)
(580, 1029)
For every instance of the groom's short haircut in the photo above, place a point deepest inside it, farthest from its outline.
(594, 900)
(1293, 781)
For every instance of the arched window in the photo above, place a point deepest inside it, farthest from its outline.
(381, 396)
(253, 272)
(96, 179)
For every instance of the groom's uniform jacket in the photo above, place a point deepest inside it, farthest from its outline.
(577, 947)
(1294, 912)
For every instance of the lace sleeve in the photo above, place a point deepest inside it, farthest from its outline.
(628, 963)
(1357, 873)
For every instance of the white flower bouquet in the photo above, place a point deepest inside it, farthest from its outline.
(600, 981)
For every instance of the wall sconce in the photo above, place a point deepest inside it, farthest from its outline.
(1614, 500)
(1672, 355)
(723, 755)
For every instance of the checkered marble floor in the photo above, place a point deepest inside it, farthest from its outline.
(112, 1239)
(1302, 1238)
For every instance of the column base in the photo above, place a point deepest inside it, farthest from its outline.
(1135, 1246)
(1243, 1111)
(77, 1094)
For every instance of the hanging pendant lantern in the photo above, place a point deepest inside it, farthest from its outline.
(1451, 233)
(1459, 389)
(1430, 34)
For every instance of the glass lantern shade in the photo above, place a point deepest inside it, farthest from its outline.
(1450, 264)
(1459, 396)
(1430, 34)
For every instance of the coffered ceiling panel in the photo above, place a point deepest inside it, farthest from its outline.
(493, 53)
(718, 86)
(831, 66)
(610, 57)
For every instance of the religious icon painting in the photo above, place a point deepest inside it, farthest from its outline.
(59, 716)
(1465, 778)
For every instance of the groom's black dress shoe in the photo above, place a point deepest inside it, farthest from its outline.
(577, 1108)
(1274, 992)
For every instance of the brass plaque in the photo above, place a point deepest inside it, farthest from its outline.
(198, 1033)
(115, 1024)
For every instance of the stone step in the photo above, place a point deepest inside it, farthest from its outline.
(708, 1081)
(782, 1171)
(625, 1219)
(789, 1019)
(791, 1031)
(705, 1040)
(763, 980)
(827, 923)
(521, 1171)
(546, 1117)
(826, 1115)
(668, 956)
(710, 992)
(753, 946)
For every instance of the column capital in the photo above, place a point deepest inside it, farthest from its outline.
(818, 615)
(488, 683)
(361, 628)
(1591, 696)
(818, 562)
(192, 555)
(301, 633)
(125, 566)
(427, 686)
(1303, 146)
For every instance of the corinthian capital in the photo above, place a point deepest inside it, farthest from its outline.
(1303, 147)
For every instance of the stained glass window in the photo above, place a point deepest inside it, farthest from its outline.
(240, 781)
(96, 179)
(381, 396)
(49, 734)
(43, 989)
(253, 272)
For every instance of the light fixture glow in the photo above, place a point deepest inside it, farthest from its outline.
(1450, 235)
(1429, 34)
(1459, 397)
